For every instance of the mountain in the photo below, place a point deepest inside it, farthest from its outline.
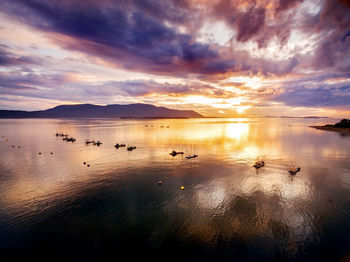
(108, 111)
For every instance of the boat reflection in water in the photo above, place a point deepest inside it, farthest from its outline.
(52, 205)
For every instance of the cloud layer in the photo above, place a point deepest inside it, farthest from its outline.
(294, 52)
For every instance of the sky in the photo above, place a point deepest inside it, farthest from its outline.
(226, 58)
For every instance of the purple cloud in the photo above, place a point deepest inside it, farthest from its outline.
(310, 43)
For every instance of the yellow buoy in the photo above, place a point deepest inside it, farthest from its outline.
(182, 187)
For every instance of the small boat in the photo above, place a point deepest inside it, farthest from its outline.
(70, 139)
(259, 164)
(174, 153)
(98, 143)
(87, 141)
(293, 171)
(119, 145)
(161, 126)
(191, 156)
(130, 148)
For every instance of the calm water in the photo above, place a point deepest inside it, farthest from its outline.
(54, 206)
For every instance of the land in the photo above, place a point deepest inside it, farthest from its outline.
(97, 111)
(342, 127)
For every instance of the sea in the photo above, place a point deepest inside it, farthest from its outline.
(64, 200)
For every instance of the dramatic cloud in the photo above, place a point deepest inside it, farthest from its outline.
(226, 53)
(8, 58)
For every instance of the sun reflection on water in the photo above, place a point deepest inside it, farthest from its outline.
(224, 197)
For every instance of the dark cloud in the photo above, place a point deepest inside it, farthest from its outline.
(8, 58)
(17, 82)
(319, 97)
(325, 91)
(61, 87)
(143, 35)
(161, 37)
(121, 30)
(250, 23)
(286, 4)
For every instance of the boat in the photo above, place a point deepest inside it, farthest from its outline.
(259, 164)
(293, 170)
(119, 145)
(87, 141)
(71, 139)
(191, 156)
(174, 153)
(61, 135)
(130, 148)
(98, 143)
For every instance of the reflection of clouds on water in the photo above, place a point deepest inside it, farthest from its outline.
(278, 183)
(210, 195)
(250, 207)
(346, 179)
(225, 199)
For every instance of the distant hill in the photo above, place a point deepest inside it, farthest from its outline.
(108, 111)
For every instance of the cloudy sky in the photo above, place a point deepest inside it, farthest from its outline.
(218, 57)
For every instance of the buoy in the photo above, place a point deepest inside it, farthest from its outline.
(182, 187)
(84, 163)
(159, 182)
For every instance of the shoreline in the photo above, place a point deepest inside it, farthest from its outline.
(342, 130)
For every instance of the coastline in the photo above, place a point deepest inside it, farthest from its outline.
(342, 130)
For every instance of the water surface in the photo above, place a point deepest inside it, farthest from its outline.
(54, 206)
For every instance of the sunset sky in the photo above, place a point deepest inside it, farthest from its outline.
(219, 57)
